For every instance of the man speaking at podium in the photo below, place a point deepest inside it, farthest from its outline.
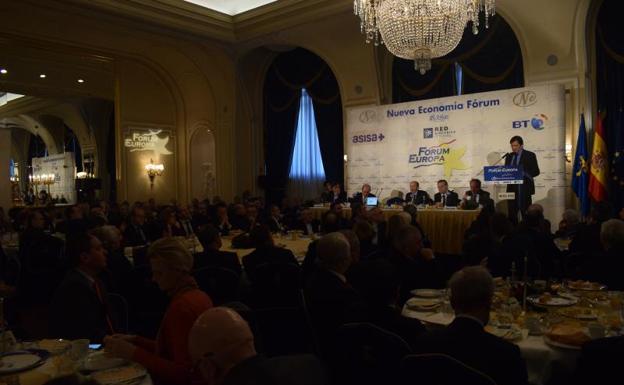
(527, 161)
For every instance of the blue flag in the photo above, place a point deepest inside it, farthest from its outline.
(580, 170)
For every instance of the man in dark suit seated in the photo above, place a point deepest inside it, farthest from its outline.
(326, 195)
(417, 266)
(476, 197)
(607, 267)
(210, 240)
(275, 220)
(222, 220)
(417, 196)
(240, 219)
(378, 282)
(74, 221)
(307, 223)
(185, 221)
(600, 362)
(79, 308)
(331, 300)
(466, 340)
(527, 161)
(363, 195)
(444, 197)
(265, 252)
(136, 233)
(338, 195)
(222, 347)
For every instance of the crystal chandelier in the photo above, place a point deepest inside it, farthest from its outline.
(420, 30)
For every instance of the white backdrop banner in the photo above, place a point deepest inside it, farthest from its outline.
(454, 138)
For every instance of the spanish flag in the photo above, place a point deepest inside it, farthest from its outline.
(599, 170)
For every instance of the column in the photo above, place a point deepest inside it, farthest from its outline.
(5, 157)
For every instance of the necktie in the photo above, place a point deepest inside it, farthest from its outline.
(443, 199)
(96, 287)
(515, 160)
(414, 198)
(141, 234)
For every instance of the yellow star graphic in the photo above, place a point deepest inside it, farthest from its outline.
(453, 161)
(583, 166)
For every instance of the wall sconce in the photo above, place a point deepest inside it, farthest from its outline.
(568, 152)
(154, 170)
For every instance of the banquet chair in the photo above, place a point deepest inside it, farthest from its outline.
(219, 283)
(284, 331)
(440, 369)
(367, 354)
(277, 285)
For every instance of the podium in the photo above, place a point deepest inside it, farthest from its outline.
(503, 176)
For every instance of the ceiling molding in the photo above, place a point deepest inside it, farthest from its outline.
(194, 20)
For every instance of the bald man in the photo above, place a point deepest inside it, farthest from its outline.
(222, 348)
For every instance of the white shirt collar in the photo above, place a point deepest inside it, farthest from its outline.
(340, 276)
(87, 276)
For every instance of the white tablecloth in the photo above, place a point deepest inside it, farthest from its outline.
(540, 358)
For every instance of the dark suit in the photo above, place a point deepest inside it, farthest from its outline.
(135, 235)
(452, 199)
(482, 198)
(340, 198)
(528, 161)
(421, 197)
(286, 370)
(217, 258)
(466, 340)
(263, 255)
(276, 225)
(332, 303)
(600, 362)
(76, 311)
(390, 319)
(359, 198)
(315, 227)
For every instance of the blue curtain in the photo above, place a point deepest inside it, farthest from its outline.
(288, 74)
(306, 166)
(610, 90)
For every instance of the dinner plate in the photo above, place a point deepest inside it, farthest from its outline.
(586, 286)
(54, 346)
(550, 342)
(513, 333)
(22, 360)
(427, 293)
(122, 375)
(423, 303)
(102, 361)
(554, 301)
(580, 315)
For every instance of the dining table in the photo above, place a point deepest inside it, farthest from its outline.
(544, 358)
(62, 362)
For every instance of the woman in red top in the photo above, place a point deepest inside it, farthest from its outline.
(167, 359)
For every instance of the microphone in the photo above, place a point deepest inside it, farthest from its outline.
(508, 154)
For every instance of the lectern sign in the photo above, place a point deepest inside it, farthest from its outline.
(503, 174)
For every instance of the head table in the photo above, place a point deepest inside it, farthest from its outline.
(444, 227)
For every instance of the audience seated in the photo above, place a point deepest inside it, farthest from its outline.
(307, 223)
(118, 267)
(275, 221)
(212, 256)
(416, 270)
(379, 283)
(184, 219)
(136, 233)
(569, 225)
(79, 308)
(222, 221)
(223, 350)
(265, 252)
(167, 358)
(608, 267)
(587, 240)
(331, 300)
(365, 234)
(600, 362)
(378, 221)
(542, 251)
(465, 339)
